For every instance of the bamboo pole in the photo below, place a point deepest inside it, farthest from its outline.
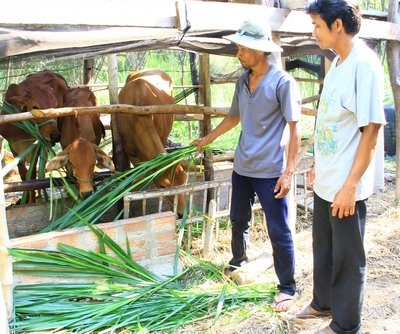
(123, 108)
(115, 108)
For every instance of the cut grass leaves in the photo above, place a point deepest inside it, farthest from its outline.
(119, 293)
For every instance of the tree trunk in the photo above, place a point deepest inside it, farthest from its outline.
(393, 54)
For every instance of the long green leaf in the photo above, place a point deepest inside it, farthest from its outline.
(105, 304)
(114, 188)
(40, 149)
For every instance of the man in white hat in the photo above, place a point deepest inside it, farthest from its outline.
(266, 102)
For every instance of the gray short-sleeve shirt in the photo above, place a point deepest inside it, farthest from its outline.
(263, 116)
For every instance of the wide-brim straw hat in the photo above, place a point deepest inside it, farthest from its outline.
(253, 36)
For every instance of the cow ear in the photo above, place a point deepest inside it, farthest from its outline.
(59, 161)
(104, 160)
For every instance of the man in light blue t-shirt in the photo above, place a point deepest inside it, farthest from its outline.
(349, 117)
(267, 104)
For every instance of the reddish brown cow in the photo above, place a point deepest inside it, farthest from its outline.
(80, 137)
(144, 137)
(41, 90)
(80, 126)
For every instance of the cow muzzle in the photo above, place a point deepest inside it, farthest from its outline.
(86, 194)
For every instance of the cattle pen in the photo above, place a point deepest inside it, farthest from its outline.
(174, 25)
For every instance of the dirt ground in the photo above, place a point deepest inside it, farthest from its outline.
(381, 311)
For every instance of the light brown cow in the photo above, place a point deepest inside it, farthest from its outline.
(80, 137)
(40, 90)
(144, 137)
(82, 154)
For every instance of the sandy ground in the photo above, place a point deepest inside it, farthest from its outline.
(381, 312)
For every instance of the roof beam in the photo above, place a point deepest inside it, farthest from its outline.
(128, 13)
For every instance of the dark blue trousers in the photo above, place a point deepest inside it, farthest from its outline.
(339, 265)
(244, 190)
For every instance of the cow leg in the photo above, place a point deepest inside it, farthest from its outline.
(22, 170)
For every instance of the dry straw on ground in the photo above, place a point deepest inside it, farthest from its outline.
(382, 296)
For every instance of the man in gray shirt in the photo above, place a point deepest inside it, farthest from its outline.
(267, 104)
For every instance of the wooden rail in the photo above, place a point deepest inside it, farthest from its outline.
(216, 210)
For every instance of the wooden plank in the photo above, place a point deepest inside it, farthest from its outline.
(138, 13)
(299, 23)
(145, 25)
(308, 111)
(206, 16)
(18, 41)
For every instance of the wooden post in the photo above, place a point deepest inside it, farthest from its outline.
(276, 58)
(393, 51)
(113, 93)
(207, 126)
(208, 228)
(88, 65)
(6, 276)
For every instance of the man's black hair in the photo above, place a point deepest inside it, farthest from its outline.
(330, 10)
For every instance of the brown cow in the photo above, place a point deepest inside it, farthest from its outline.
(85, 126)
(80, 137)
(40, 90)
(82, 154)
(144, 137)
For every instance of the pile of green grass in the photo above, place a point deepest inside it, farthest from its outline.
(124, 294)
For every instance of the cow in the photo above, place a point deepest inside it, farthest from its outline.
(41, 90)
(80, 137)
(76, 126)
(144, 137)
(82, 154)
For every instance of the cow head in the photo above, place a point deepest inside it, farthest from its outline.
(37, 97)
(82, 156)
(80, 126)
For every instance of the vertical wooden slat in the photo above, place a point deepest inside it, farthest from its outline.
(6, 276)
(207, 126)
(88, 65)
(393, 51)
(113, 93)
(208, 228)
